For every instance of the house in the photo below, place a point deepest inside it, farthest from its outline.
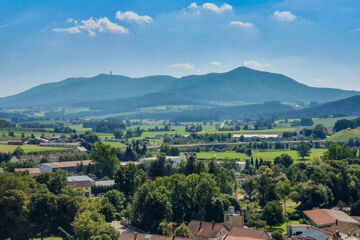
(296, 229)
(83, 182)
(30, 171)
(69, 166)
(174, 159)
(312, 234)
(208, 230)
(146, 236)
(327, 217)
(124, 164)
(233, 219)
(256, 136)
(60, 145)
(82, 149)
(18, 143)
(148, 159)
(238, 233)
(345, 230)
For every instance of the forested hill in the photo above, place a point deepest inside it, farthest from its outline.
(99, 88)
(241, 84)
(349, 106)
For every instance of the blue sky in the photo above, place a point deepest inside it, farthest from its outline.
(315, 42)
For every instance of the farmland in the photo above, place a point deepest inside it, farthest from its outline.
(345, 135)
(29, 148)
(265, 155)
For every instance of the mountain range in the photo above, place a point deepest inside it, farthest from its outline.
(116, 94)
(241, 84)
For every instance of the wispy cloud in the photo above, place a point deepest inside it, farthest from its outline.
(93, 25)
(23, 17)
(216, 64)
(354, 30)
(241, 24)
(285, 16)
(256, 65)
(181, 65)
(131, 16)
(211, 7)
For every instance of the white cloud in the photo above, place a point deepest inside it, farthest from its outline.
(256, 65)
(241, 24)
(131, 16)
(285, 16)
(93, 25)
(216, 64)
(71, 30)
(212, 7)
(181, 65)
(193, 5)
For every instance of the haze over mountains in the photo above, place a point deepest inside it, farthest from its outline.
(241, 84)
(106, 94)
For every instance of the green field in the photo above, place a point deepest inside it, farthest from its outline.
(4, 135)
(29, 148)
(79, 128)
(265, 155)
(345, 135)
(116, 144)
(330, 122)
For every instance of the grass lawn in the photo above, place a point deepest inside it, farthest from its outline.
(4, 135)
(29, 148)
(270, 155)
(283, 226)
(275, 130)
(79, 128)
(345, 135)
(116, 144)
(265, 155)
(330, 122)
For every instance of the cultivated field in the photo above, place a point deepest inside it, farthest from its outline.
(265, 155)
(29, 148)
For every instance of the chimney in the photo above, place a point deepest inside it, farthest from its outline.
(200, 225)
(135, 235)
(337, 222)
(213, 225)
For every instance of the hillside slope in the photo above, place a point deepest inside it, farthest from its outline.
(348, 106)
(99, 88)
(345, 135)
(108, 92)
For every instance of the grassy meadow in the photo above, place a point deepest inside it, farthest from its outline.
(265, 155)
(345, 135)
(29, 148)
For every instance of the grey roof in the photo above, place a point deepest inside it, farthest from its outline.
(79, 178)
(314, 234)
(341, 216)
(105, 183)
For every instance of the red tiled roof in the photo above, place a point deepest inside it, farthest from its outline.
(247, 232)
(205, 229)
(320, 217)
(145, 236)
(241, 238)
(357, 218)
(343, 228)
